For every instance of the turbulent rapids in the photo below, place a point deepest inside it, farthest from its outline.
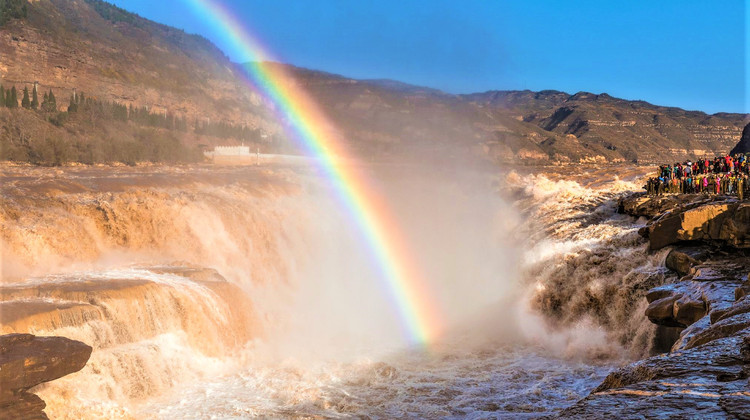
(237, 292)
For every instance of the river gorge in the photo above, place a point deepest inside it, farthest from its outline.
(234, 292)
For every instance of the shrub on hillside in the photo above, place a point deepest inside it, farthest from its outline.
(59, 119)
(12, 9)
(26, 136)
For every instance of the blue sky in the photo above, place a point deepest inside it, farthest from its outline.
(687, 53)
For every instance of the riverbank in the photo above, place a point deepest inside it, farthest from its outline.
(705, 373)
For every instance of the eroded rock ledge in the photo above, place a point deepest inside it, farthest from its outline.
(705, 375)
(710, 219)
(27, 361)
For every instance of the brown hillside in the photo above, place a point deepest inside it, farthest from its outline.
(67, 44)
(113, 55)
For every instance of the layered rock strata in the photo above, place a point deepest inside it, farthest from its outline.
(705, 374)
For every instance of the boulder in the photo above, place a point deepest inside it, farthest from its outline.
(27, 361)
(679, 262)
(683, 303)
(661, 312)
(676, 310)
(687, 311)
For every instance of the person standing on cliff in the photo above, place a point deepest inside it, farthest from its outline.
(741, 187)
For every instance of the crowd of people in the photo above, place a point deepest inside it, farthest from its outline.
(723, 175)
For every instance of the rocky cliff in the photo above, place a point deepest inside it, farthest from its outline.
(27, 361)
(600, 125)
(744, 144)
(705, 374)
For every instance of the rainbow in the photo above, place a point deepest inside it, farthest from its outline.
(316, 134)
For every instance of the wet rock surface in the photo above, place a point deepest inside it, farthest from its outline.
(27, 361)
(709, 381)
(705, 375)
(680, 262)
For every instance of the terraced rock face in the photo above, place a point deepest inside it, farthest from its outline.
(120, 307)
(149, 327)
(705, 375)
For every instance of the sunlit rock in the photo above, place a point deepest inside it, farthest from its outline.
(679, 262)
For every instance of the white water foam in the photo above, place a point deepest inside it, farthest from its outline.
(335, 349)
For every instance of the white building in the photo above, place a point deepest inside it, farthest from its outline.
(230, 151)
(231, 155)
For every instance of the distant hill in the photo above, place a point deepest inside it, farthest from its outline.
(116, 56)
(616, 128)
(395, 118)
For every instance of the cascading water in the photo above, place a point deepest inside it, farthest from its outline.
(537, 276)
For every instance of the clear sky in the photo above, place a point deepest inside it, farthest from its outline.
(687, 53)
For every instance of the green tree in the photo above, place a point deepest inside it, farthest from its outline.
(34, 99)
(11, 101)
(26, 102)
(2, 96)
(52, 102)
(59, 119)
(10, 9)
(49, 104)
